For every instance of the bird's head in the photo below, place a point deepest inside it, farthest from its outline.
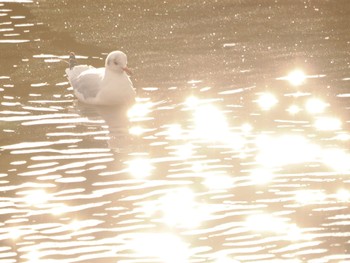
(117, 61)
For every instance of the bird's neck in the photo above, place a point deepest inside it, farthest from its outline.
(113, 74)
(111, 77)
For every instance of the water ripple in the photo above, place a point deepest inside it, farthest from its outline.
(224, 161)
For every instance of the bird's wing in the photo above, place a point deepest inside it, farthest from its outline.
(88, 83)
(73, 73)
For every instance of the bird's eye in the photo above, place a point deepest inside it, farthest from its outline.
(115, 62)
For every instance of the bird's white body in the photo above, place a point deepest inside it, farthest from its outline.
(103, 86)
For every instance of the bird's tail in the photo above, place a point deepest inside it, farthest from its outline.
(72, 60)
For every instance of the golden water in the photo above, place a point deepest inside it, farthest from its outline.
(237, 149)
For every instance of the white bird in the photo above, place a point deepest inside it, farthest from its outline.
(110, 85)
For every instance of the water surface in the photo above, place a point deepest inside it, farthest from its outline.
(236, 150)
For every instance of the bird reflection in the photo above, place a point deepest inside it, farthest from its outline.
(114, 117)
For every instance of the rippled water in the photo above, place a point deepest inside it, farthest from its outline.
(237, 149)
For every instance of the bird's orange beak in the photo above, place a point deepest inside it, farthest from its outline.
(127, 70)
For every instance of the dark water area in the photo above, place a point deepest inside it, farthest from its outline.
(237, 149)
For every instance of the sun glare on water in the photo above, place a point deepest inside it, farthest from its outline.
(179, 208)
(296, 77)
(35, 197)
(210, 123)
(306, 197)
(175, 132)
(184, 151)
(225, 259)
(33, 256)
(261, 175)
(234, 149)
(343, 195)
(136, 130)
(265, 222)
(328, 124)
(140, 168)
(266, 101)
(337, 159)
(218, 181)
(284, 150)
(294, 109)
(192, 102)
(166, 247)
(315, 106)
(140, 110)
